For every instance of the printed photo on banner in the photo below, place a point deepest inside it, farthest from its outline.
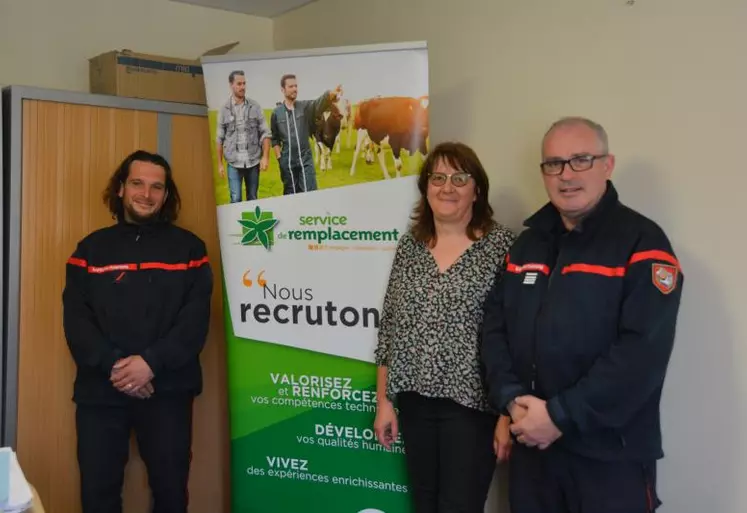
(282, 126)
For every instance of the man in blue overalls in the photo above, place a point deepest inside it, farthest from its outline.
(291, 126)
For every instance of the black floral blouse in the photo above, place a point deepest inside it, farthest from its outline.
(429, 337)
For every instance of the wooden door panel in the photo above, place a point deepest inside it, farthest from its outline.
(191, 162)
(69, 152)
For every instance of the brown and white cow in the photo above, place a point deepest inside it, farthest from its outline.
(326, 132)
(401, 122)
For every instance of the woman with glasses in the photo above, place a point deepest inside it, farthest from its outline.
(428, 342)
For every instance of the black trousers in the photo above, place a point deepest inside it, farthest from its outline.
(557, 481)
(449, 454)
(163, 427)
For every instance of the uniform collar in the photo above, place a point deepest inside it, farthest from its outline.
(149, 227)
(547, 219)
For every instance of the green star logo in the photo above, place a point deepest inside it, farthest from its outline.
(257, 228)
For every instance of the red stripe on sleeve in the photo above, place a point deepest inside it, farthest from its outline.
(602, 270)
(654, 254)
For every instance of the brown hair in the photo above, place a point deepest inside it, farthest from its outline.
(235, 74)
(463, 158)
(170, 209)
(284, 78)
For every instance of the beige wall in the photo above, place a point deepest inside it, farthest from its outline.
(667, 78)
(47, 43)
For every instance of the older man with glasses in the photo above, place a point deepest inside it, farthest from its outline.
(578, 335)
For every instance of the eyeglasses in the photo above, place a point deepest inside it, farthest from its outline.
(457, 179)
(579, 163)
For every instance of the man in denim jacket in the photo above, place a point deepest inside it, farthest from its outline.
(243, 139)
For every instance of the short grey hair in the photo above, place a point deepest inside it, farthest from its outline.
(598, 129)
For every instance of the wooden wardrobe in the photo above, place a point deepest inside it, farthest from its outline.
(59, 149)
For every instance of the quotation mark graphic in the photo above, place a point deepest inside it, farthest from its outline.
(248, 281)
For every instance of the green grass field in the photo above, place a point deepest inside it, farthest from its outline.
(270, 184)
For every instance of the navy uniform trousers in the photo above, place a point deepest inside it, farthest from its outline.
(558, 481)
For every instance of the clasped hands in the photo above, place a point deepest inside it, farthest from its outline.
(531, 423)
(133, 376)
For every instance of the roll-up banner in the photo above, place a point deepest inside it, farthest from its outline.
(307, 238)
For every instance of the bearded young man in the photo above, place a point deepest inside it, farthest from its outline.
(136, 314)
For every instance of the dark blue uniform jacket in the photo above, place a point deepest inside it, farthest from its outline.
(137, 290)
(586, 321)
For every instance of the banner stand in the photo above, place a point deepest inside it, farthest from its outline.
(305, 264)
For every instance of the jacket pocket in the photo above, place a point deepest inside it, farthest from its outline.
(252, 135)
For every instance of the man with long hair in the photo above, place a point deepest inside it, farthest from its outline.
(136, 314)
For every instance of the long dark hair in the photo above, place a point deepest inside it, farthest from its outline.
(459, 156)
(170, 209)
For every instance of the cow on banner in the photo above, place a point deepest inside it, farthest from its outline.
(345, 125)
(401, 122)
(327, 130)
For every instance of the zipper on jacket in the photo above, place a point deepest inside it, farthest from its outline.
(139, 262)
(553, 273)
(140, 255)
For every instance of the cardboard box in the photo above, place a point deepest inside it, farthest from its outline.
(151, 77)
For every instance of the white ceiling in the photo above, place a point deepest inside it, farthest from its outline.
(264, 8)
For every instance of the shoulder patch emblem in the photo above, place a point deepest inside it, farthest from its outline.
(664, 277)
